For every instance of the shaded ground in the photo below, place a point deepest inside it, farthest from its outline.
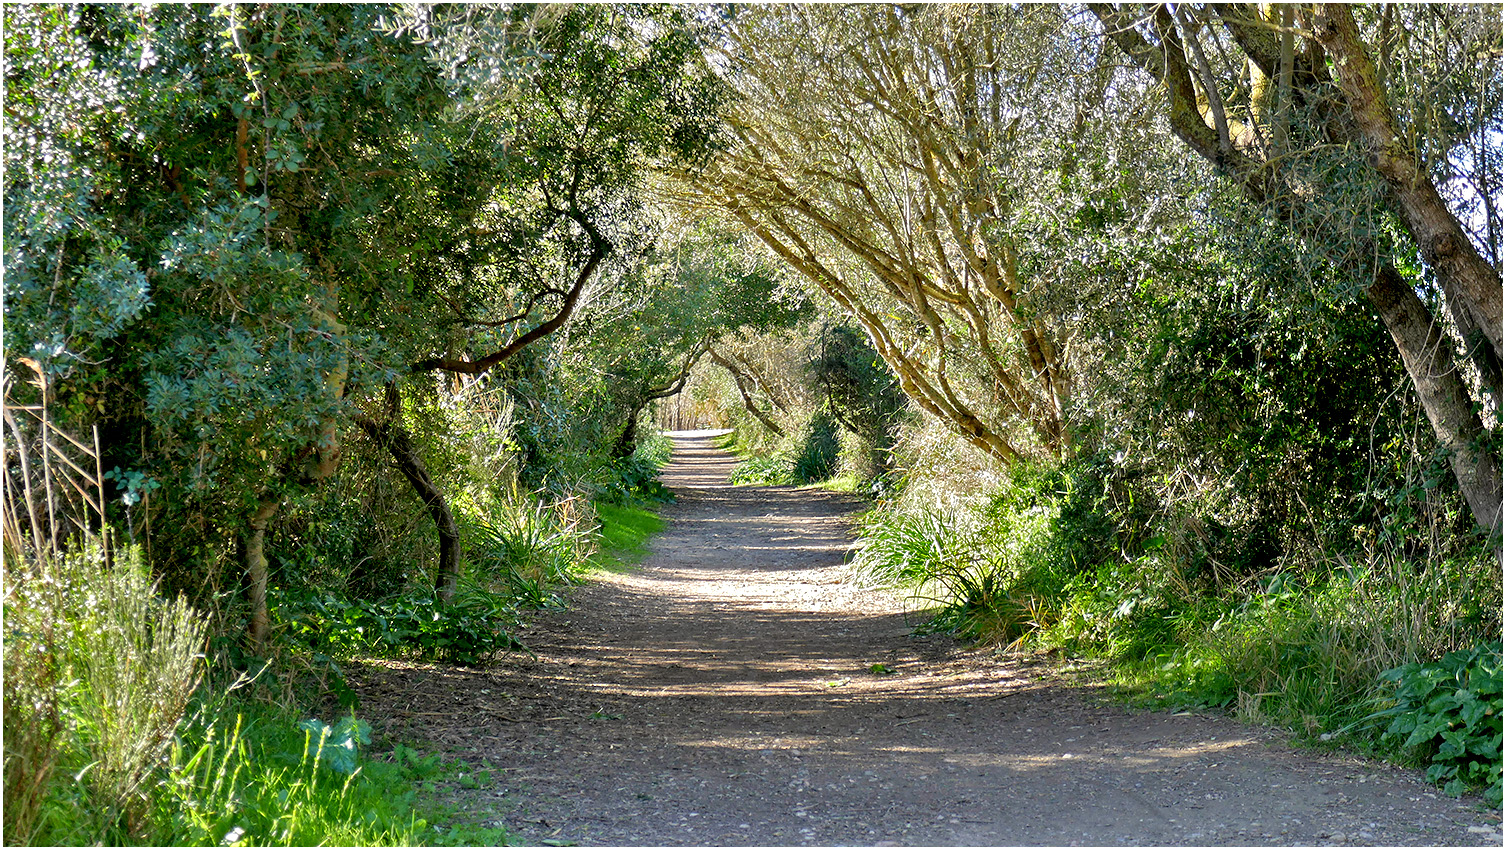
(723, 695)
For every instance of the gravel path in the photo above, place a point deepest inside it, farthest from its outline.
(723, 694)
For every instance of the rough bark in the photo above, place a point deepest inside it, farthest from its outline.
(396, 440)
(1428, 357)
(1465, 276)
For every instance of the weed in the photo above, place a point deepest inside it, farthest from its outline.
(1451, 710)
(467, 631)
(266, 780)
(763, 470)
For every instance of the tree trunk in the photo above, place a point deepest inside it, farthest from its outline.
(1466, 277)
(1428, 357)
(741, 381)
(256, 573)
(399, 444)
(628, 440)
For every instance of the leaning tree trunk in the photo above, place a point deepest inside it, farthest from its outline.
(1464, 274)
(741, 381)
(1471, 286)
(1427, 356)
(396, 440)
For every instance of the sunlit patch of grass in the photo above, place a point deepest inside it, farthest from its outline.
(845, 482)
(625, 533)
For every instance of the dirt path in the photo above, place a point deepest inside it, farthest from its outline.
(722, 695)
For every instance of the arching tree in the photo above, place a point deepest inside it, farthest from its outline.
(882, 152)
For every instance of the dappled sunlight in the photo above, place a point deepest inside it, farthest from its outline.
(739, 684)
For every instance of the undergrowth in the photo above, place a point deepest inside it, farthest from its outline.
(1378, 649)
(112, 737)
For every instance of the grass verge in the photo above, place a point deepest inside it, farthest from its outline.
(1387, 652)
(625, 535)
(113, 737)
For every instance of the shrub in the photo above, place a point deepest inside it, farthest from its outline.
(634, 479)
(466, 631)
(815, 458)
(98, 671)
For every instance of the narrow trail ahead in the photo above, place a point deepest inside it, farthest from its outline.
(722, 695)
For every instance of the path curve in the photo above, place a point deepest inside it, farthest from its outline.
(723, 695)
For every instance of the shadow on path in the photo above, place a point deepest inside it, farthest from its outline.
(723, 695)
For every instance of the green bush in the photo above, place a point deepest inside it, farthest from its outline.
(466, 631)
(634, 479)
(815, 458)
(1451, 711)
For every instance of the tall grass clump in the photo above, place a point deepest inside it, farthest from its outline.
(526, 549)
(98, 672)
(984, 571)
(1309, 653)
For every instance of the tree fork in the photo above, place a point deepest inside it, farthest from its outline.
(600, 248)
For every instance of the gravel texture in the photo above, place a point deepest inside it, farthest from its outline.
(724, 694)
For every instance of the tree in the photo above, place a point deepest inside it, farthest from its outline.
(600, 93)
(581, 100)
(1323, 130)
(239, 170)
(881, 151)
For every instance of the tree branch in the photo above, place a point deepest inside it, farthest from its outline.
(599, 250)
